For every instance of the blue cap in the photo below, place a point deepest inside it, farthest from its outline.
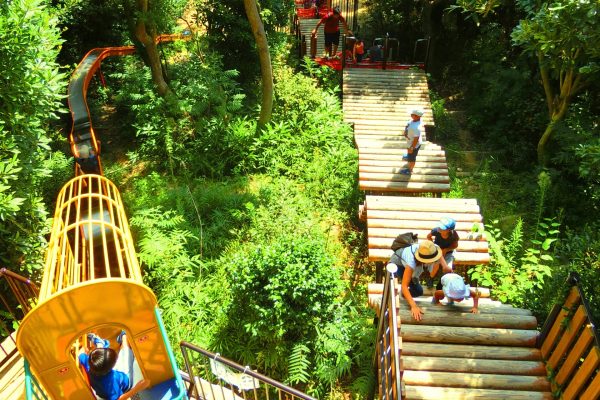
(447, 223)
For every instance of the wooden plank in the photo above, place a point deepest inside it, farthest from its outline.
(552, 337)
(464, 236)
(457, 215)
(589, 365)
(371, 200)
(440, 206)
(478, 366)
(576, 353)
(418, 170)
(479, 381)
(484, 308)
(402, 225)
(398, 162)
(593, 390)
(410, 187)
(444, 318)
(568, 337)
(397, 177)
(460, 258)
(429, 393)
(463, 245)
(471, 351)
(460, 335)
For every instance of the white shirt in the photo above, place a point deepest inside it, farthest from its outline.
(413, 130)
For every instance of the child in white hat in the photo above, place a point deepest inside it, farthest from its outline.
(455, 290)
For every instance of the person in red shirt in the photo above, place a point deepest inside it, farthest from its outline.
(332, 30)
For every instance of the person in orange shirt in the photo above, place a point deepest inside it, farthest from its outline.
(359, 50)
(332, 30)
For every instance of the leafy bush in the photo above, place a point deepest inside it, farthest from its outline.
(515, 271)
(191, 134)
(30, 98)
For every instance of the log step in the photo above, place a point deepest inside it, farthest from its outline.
(462, 335)
(445, 393)
(471, 352)
(476, 366)
(484, 308)
(444, 318)
(476, 381)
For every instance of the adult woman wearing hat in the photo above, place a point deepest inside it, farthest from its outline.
(412, 261)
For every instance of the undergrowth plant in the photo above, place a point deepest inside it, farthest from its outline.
(518, 266)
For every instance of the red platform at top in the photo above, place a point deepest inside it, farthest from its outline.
(336, 64)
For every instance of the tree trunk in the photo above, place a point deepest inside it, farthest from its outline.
(265, 61)
(147, 38)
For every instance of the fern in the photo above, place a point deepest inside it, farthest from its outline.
(299, 364)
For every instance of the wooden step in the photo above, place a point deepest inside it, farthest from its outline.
(470, 351)
(463, 245)
(486, 306)
(466, 319)
(447, 393)
(476, 366)
(398, 177)
(459, 258)
(468, 335)
(395, 170)
(406, 187)
(476, 381)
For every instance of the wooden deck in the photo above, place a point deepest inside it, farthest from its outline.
(378, 104)
(387, 216)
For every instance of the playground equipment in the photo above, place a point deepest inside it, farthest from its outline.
(92, 281)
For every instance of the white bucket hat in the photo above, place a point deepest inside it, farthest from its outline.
(454, 287)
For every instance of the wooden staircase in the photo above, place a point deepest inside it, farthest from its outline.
(454, 354)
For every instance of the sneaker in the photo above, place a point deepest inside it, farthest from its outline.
(98, 341)
(405, 171)
(120, 337)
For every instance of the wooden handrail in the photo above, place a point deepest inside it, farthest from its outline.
(570, 346)
(388, 344)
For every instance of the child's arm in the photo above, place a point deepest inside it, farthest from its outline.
(475, 296)
(141, 385)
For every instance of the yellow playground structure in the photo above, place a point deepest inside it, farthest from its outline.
(92, 281)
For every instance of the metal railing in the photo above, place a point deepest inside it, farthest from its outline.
(387, 355)
(33, 390)
(570, 345)
(210, 376)
(15, 303)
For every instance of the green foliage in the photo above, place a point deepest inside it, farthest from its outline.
(505, 105)
(518, 269)
(328, 78)
(299, 364)
(229, 34)
(563, 33)
(307, 141)
(30, 98)
(192, 134)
